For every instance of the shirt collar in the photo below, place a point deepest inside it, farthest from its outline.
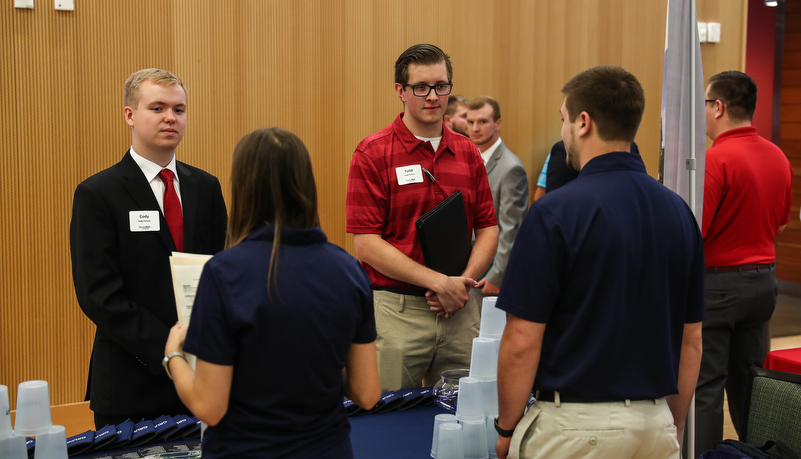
(294, 236)
(151, 169)
(487, 154)
(733, 133)
(410, 142)
(614, 161)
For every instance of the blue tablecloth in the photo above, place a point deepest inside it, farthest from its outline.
(392, 435)
(395, 434)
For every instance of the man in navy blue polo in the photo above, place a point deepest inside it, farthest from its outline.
(604, 291)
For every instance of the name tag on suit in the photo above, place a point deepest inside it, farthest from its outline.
(144, 220)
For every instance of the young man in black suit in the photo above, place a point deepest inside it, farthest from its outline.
(120, 242)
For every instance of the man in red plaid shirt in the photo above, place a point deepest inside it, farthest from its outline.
(425, 320)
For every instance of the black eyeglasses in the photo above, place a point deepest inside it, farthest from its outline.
(423, 90)
(706, 101)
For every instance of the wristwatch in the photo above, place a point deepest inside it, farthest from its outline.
(502, 432)
(166, 363)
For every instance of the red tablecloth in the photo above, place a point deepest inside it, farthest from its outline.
(788, 360)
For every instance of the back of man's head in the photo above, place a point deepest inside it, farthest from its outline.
(612, 97)
(479, 102)
(155, 76)
(422, 54)
(737, 91)
(453, 103)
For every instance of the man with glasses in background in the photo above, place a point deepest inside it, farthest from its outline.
(747, 194)
(424, 320)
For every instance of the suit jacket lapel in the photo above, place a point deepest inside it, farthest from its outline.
(496, 155)
(139, 189)
(188, 203)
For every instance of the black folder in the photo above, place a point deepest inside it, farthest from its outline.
(445, 237)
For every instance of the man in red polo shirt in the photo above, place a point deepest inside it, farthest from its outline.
(747, 193)
(424, 320)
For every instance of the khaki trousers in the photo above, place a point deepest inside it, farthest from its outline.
(414, 345)
(621, 430)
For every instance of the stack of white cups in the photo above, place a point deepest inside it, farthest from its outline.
(477, 405)
(33, 419)
(12, 445)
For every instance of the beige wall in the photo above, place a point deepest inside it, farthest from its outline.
(322, 69)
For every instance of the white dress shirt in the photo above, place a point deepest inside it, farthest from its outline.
(151, 171)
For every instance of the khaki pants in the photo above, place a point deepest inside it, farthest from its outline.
(621, 430)
(414, 345)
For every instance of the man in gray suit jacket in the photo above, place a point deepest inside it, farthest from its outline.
(507, 179)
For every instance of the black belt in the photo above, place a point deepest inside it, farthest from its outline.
(401, 291)
(730, 269)
(548, 396)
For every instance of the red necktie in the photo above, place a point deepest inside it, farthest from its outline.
(172, 209)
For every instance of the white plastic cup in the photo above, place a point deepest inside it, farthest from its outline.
(5, 414)
(484, 359)
(492, 435)
(439, 420)
(33, 408)
(493, 320)
(489, 392)
(52, 444)
(471, 402)
(474, 436)
(449, 441)
(14, 447)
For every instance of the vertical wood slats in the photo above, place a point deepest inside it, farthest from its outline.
(320, 68)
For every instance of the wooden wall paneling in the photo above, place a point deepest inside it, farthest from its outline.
(649, 29)
(532, 88)
(791, 95)
(791, 54)
(323, 77)
(42, 41)
(208, 57)
(790, 113)
(788, 245)
(10, 360)
(791, 22)
(322, 69)
(728, 54)
(791, 40)
(62, 357)
(16, 302)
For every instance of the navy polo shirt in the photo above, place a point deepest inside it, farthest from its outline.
(288, 349)
(613, 263)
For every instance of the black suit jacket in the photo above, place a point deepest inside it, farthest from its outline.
(124, 285)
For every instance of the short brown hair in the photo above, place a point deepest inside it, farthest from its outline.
(422, 54)
(453, 103)
(479, 102)
(611, 96)
(271, 183)
(737, 91)
(155, 76)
